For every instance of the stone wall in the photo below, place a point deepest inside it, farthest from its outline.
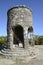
(19, 15)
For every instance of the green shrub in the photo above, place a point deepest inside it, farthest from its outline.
(3, 41)
(39, 40)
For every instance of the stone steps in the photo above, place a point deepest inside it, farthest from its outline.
(19, 53)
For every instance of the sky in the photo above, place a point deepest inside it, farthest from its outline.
(37, 14)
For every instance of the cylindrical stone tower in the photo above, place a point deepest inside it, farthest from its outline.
(19, 24)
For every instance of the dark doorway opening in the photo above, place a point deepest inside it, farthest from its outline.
(18, 35)
(30, 30)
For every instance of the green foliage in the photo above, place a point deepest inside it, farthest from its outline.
(3, 41)
(39, 40)
(36, 42)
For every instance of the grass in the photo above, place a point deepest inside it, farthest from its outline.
(1, 56)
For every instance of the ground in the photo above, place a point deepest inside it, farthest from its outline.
(38, 60)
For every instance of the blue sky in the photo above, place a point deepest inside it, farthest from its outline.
(37, 14)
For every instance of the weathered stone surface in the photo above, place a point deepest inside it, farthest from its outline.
(20, 56)
(19, 18)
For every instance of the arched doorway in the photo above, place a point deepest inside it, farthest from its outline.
(18, 35)
(30, 30)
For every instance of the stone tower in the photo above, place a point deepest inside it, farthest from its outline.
(19, 24)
